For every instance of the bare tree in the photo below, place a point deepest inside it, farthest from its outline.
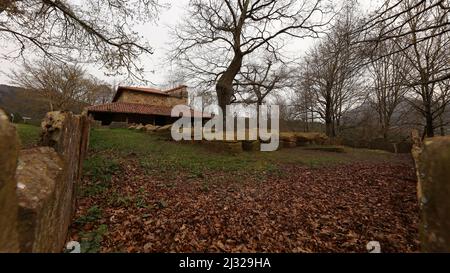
(288, 112)
(393, 21)
(97, 91)
(305, 103)
(388, 90)
(443, 106)
(91, 31)
(174, 78)
(428, 62)
(64, 86)
(331, 73)
(219, 34)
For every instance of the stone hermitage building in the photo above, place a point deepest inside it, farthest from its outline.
(140, 105)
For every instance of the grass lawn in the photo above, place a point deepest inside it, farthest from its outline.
(143, 194)
(171, 157)
(28, 134)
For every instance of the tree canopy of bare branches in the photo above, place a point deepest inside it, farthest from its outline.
(218, 34)
(331, 71)
(83, 31)
(257, 80)
(395, 20)
(387, 88)
(427, 61)
(63, 86)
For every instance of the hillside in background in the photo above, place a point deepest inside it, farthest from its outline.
(22, 103)
(25, 103)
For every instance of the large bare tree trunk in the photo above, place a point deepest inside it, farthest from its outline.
(224, 86)
(429, 127)
(329, 127)
(386, 131)
(329, 117)
(306, 120)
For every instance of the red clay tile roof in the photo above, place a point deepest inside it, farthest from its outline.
(135, 108)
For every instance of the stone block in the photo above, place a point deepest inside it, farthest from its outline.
(37, 199)
(150, 127)
(432, 158)
(165, 128)
(45, 200)
(9, 145)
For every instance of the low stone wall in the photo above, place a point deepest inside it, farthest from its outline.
(432, 158)
(39, 195)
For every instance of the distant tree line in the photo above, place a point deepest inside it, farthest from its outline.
(399, 63)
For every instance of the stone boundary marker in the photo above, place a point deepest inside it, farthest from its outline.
(9, 152)
(432, 159)
(37, 186)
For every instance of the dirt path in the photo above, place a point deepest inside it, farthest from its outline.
(299, 209)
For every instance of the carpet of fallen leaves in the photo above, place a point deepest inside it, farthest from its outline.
(327, 209)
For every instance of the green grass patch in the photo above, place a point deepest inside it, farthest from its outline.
(123, 141)
(93, 188)
(168, 159)
(119, 200)
(29, 134)
(101, 168)
(91, 241)
(93, 214)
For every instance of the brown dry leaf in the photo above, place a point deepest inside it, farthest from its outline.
(327, 209)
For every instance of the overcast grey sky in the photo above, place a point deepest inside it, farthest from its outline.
(158, 35)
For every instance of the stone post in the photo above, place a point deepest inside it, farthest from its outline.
(37, 186)
(9, 147)
(432, 158)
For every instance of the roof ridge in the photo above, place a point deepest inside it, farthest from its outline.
(176, 88)
(130, 103)
(155, 91)
(139, 88)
